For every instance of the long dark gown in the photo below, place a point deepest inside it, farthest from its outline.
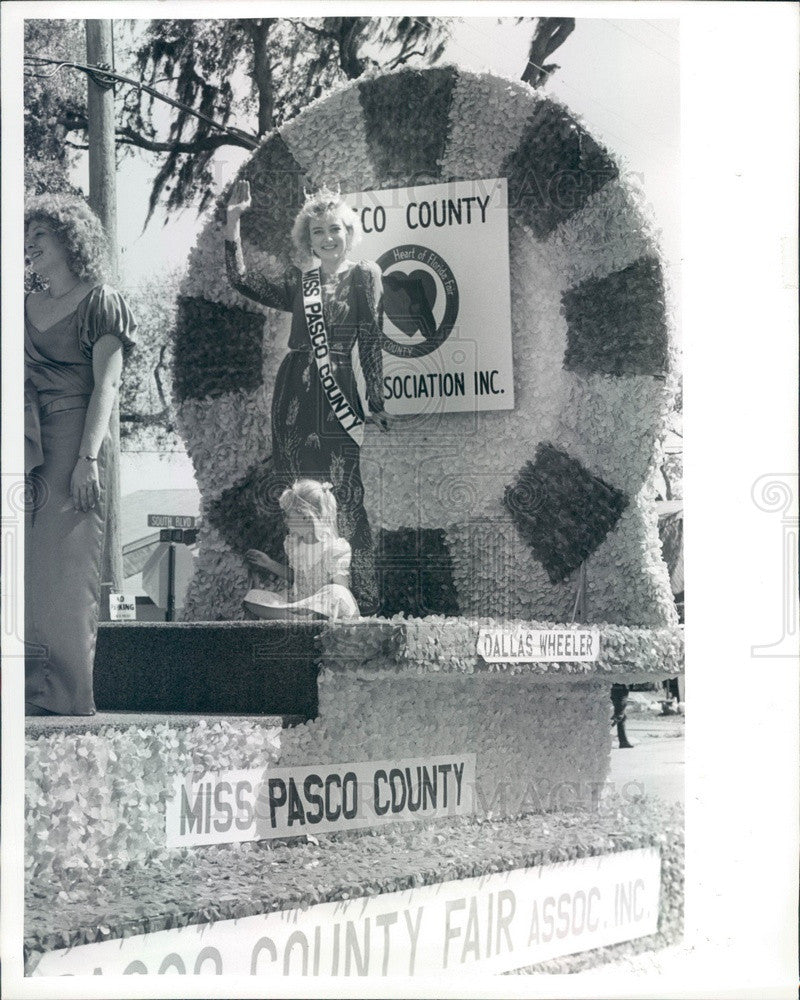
(64, 546)
(307, 439)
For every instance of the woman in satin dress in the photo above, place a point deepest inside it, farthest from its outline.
(77, 331)
(307, 439)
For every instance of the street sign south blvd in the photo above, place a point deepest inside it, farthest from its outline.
(171, 521)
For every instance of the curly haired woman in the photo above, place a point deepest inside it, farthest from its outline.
(76, 332)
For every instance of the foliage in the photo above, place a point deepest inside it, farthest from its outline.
(249, 75)
(672, 462)
(672, 472)
(51, 106)
(147, 419)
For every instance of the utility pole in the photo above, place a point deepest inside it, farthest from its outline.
(103, 200)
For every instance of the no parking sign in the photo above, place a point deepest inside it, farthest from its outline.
(122, 607)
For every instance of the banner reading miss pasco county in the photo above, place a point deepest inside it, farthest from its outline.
(260, 803)
(443, 253)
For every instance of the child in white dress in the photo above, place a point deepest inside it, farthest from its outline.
(318, 571)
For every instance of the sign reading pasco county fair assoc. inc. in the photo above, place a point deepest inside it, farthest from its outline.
(257, 804)
(511, 644)
(491, 924)
(443, 251)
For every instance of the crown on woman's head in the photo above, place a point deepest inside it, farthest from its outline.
(322, 193)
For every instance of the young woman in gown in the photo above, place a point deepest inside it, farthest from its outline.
(308, 440)
(76, 332)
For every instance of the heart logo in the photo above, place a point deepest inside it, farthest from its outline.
(408, 301)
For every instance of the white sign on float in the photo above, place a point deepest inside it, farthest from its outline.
(443, 251)
(260, 803)
(526, 645)
(492, 924)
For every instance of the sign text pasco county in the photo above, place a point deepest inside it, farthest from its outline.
(444, 258)
(524, 645)
(257, 804)
(492, 924)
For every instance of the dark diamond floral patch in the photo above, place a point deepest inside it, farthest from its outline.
(217, 349)
(561, 510)
(617, 325)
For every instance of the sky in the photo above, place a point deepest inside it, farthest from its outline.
(620, 76)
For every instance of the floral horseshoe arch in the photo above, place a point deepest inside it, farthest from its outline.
(496, 514)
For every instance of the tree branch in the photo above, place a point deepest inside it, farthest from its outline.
(72, 121)
(548, 35)
(400, 59)
(159, 368)
(128, 137)
(237, 136)
(262, 72)
(146, 419)
(350, 37)
(317, 31)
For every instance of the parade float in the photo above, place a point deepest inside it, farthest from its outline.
(422, 790)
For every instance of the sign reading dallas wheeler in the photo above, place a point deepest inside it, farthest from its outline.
(521, 645)
(443, 251)
(259, 803)
(491, 924)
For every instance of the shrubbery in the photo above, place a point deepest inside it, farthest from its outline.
(147, 414)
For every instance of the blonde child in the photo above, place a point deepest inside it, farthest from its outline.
(318, 570)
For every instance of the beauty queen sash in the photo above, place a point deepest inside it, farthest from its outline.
(351, 422)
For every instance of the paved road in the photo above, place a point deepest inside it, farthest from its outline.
(656, 761)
